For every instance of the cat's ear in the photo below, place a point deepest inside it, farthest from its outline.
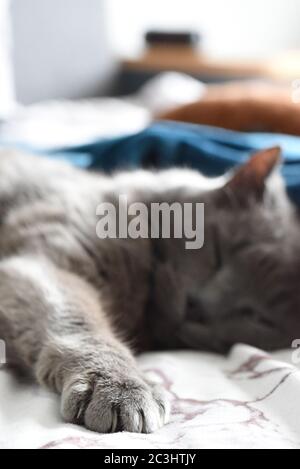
(250, 179)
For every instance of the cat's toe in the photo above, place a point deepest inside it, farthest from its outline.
(75, 399)
(146, 412)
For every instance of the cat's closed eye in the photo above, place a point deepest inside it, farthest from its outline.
(249, 313)
(246, 312)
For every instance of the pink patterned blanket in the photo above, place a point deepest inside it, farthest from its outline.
(247, 400)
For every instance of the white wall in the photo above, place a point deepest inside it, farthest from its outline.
(232, 28)
(6, 83)
(60, 48)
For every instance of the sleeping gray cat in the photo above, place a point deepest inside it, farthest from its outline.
(71, 302)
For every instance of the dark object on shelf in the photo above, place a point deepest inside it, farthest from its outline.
(161, 38)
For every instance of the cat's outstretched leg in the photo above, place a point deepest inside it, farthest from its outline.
(54, 325)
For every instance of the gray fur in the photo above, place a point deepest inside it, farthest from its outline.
(71, 303)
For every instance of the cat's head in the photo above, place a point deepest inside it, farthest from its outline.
(244, 285)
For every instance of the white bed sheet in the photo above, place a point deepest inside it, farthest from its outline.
(247, 400)
(57, 124)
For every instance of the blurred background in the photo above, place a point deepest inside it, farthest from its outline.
(54, 47)
(77, 49)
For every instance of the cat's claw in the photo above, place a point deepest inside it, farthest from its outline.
(107, 406)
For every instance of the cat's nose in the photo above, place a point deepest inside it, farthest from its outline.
(195, 310)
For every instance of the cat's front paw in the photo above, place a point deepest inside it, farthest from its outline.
(108, 405)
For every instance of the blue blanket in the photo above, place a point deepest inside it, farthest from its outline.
(210, 150)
